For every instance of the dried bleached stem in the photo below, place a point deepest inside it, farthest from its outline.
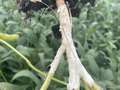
(76, 69)
(53, 68)
(65, 28)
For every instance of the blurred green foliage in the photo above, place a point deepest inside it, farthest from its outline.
(96, 33)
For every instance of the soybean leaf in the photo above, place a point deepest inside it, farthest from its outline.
(9, 86)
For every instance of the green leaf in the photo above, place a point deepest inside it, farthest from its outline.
(8, 86)
(6, 59)
(107, 74)
(27, 74)
(25, 50)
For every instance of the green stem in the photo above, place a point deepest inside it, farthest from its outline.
(41, 73)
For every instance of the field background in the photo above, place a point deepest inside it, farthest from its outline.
(96, 33)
